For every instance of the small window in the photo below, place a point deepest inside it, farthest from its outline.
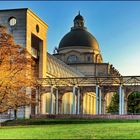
(37, 28)
(12, 21)
(88, 59)
(72, 59)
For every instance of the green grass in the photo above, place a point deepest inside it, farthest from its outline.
(67, 121)
(79, 131)
(92, 129)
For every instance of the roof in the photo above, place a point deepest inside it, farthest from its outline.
(24, 9)
(58, 68)
(79, 37)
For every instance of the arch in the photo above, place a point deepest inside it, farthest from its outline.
(111, 102)
(46, 103)
(67, 103)
(133, 101)
(98, 58)
(89, 103)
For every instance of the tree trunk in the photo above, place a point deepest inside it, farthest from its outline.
(15, 114)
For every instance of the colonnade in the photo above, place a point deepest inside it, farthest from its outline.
(77, 101)
(99, 103)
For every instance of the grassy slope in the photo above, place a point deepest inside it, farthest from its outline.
(101, 129)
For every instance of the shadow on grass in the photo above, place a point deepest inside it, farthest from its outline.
(65, 121)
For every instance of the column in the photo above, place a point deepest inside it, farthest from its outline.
(90, 104)
(97, 107)
(104, 106)
(120, 100)
(59, 106)
(56, 101)
(51, 103)
(125, 106)
(37, 100)
(78, 102)
(81, 103)
(94, 104)
(100, 101)
(74, 102)
(28, 107)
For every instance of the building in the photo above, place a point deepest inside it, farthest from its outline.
(77, 56)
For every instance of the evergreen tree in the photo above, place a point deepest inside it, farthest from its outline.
(133, 104)
(113, 108)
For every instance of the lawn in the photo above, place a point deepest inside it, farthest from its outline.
(89, 130)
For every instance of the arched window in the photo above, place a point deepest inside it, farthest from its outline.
(98, 58)
(72, 59)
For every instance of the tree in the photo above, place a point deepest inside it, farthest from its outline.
(114, 104)
(16, 73)
(133, 104)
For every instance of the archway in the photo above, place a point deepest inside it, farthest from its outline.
(89, 103)
(112, 103)
(46, 103)
(67, 103)
(133, 103)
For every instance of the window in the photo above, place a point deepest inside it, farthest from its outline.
(34, 52)
(72, 59)
(37, 28)
(88, 58)
(12, 21)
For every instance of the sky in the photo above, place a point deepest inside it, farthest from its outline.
(115, 25)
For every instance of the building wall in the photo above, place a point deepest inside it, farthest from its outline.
(22, 31)
(92, 69)
(32, 22)
(26, 22)
(57, 68)
(81, 53)
(19, 31)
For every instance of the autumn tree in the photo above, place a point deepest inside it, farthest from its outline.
(16, 68)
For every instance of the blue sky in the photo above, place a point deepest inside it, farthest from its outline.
(115, 24)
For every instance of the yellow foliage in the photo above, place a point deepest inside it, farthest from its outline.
(16, 73)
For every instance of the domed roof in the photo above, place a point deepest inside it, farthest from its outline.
(79, 36)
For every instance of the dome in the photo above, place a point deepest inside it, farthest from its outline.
(79, 37)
